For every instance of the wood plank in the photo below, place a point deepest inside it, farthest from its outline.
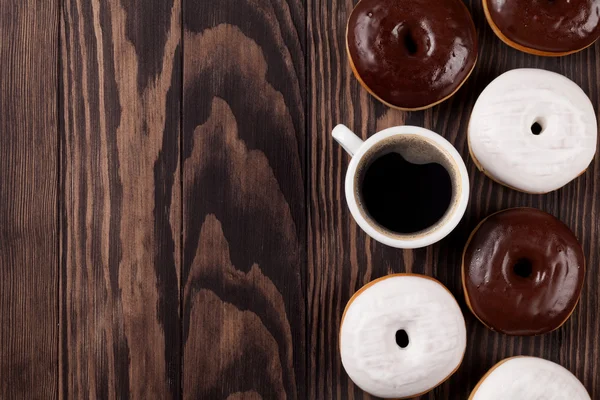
(28, 199)
(244, 215)
(342, 258)
(119, 305)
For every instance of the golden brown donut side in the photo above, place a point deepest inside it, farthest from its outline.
(366, 286)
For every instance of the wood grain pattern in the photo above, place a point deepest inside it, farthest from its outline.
(28, 199)
(243, 190)
(184, 233)
(342, 258)
(119, 305)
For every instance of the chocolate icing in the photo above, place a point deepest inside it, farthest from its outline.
(412, 53)
(555, 26)
(508, 302)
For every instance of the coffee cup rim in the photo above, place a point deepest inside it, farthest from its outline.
(418, 240)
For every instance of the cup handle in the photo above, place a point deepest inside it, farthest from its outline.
(349, 141)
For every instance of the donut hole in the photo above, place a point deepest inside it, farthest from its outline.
(523, 268)
(402, 338)
(403, 37)
(410, 43)
(536, 128)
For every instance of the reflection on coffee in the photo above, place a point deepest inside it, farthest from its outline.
(404, 197)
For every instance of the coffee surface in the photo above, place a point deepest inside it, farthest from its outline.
(404, 197)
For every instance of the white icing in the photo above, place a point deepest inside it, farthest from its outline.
(436, 331)
(500, 135)
(527, 378)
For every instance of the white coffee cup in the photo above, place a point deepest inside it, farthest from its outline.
(418, 146)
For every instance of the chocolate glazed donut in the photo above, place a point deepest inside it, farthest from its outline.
(523, 271)
(545, 27)
(411, 54)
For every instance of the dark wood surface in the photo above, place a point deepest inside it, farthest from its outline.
(244, 214)
(120, 199)
(342, 258)
(28, 199)
(172, 216)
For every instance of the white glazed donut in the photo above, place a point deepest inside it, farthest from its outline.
(525, 378)
(413, 311)
(501, 130)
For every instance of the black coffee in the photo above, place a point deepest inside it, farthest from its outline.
(405, 197)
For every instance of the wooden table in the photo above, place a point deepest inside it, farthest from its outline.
(172, 219)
